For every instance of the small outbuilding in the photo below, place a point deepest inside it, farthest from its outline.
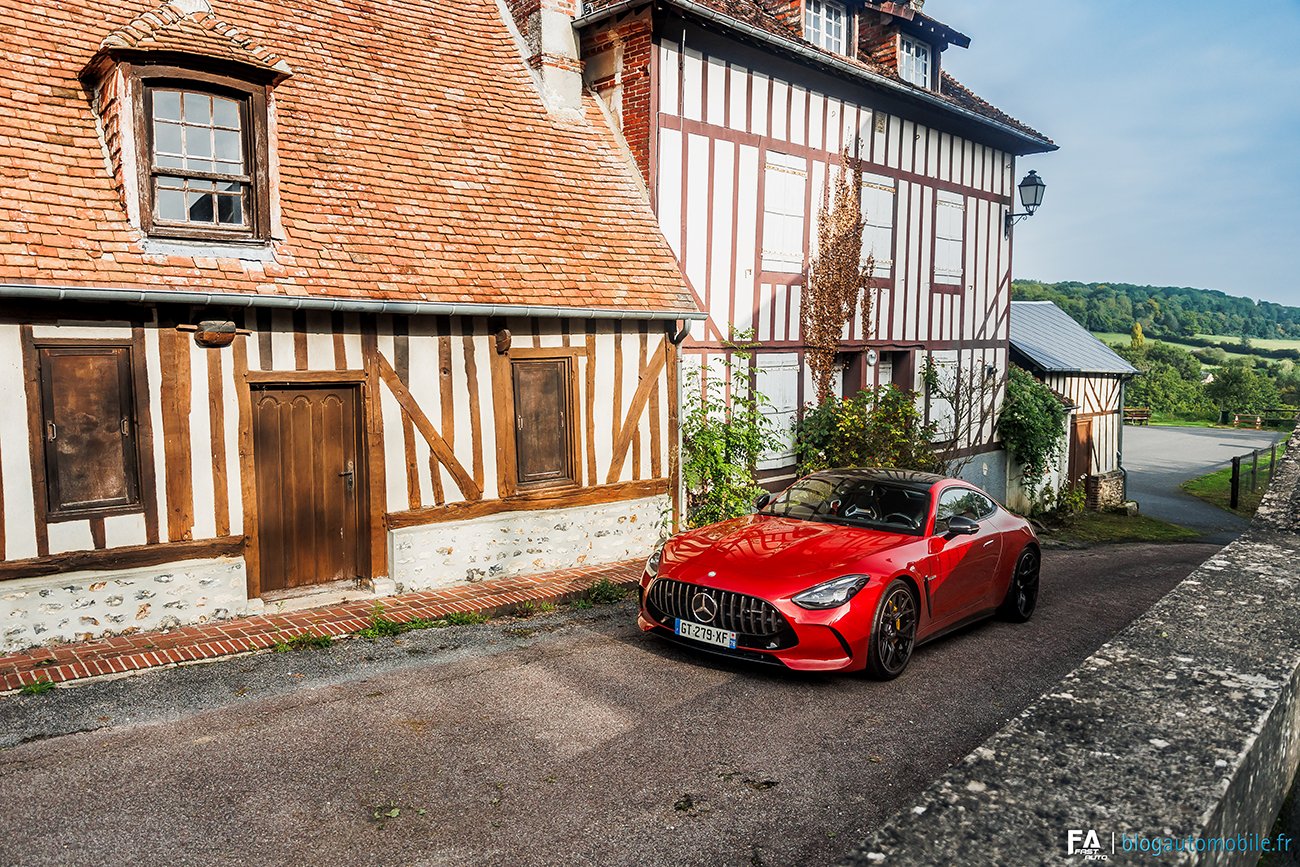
(1089, 377)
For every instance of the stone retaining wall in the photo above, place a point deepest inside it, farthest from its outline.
(1187, 723)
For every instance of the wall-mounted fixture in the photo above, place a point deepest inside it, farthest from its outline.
(1031, 196)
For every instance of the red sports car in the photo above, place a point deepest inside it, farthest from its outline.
(844, 570)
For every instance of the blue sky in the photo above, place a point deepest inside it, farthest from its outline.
(1179, 127)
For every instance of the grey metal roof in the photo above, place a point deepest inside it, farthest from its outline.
(1055, 343)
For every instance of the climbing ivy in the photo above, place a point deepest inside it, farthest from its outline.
(1032, 426)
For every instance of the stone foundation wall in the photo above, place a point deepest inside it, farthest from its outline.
(520, 543)
(1187, 723)
(1105, 490)
(82, 605)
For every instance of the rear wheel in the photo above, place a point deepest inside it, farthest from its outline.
(893, 635)
(1022, 595)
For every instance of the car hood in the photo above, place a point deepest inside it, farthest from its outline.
(776, 556)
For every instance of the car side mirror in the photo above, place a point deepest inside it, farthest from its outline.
(960, 525)
(761, 503)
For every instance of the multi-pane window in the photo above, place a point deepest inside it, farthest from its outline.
(785, 180)
(200, 162)
(914, 62)
(950, 232)
(826, 25)
(878, 222)
(544, 434)
(88, 429)
(202, 150)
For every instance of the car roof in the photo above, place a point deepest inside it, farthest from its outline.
(913, 479)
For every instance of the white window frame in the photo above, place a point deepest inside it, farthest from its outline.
(826, 25)
(915, 59)
(949, 239)
(785, 189)
(878, 196)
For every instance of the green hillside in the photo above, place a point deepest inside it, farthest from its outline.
(1170, 311)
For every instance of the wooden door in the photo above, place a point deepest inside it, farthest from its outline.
(310, 484)
(543, 421)
(1081, 450)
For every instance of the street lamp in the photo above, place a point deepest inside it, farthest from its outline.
(1031, 196)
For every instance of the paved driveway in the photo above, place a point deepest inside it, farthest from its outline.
(569, 739)
(1159, 459)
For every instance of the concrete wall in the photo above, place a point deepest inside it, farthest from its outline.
(519, 543)
(1186, 723)
(989, 472)
(83, 605)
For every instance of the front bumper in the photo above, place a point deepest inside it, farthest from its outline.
(834, 640)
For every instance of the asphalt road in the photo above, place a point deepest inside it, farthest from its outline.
(1159, 459)
(568, 739)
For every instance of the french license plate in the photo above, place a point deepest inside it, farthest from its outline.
(707, 634)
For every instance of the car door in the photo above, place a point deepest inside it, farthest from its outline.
(962, 568)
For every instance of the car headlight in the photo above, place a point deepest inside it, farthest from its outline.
(832, 594)
(652, 564)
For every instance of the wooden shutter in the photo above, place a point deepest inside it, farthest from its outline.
(543, 421)
(88, 428)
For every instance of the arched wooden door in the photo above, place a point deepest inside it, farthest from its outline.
(310, 484)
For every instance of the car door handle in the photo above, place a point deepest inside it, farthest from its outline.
(989, 542)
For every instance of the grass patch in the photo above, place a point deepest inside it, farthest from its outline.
(1103, 528)
(1216, 487)
(40, 687)
(382, 627)
(604, 592)
(306, 641)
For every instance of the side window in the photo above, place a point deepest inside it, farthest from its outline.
(544, 421)
(964, 502)
(88, 429)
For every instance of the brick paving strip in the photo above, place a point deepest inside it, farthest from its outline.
(114, 656)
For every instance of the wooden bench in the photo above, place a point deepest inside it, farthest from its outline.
(1137, 415)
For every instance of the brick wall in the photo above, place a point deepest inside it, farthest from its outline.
(618, 60)
(878, 38)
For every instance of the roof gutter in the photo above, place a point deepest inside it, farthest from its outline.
(102, 295)
(809, 53)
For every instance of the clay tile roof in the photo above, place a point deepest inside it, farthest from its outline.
(189, 27)
(962, 95)
(415, 162)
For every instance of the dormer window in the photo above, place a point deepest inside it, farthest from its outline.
(914, 62)
(826, 24)
(202, 167)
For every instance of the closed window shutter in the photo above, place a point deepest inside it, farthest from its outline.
(950, 231)
(878, 219)
(784, 181)
(543, 427)
(88, 431)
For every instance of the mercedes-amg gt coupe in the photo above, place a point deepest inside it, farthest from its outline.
(844, 570)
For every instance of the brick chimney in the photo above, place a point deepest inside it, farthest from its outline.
(550, 48)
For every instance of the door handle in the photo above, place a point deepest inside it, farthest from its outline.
(351, 478)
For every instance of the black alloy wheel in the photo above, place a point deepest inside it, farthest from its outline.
(894, 633)
(1022, 595)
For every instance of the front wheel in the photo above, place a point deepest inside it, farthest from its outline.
(893, 635)
(1022, 595)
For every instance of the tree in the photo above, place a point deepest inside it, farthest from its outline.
(1237, 387)
(1136, 338)
(837, 278)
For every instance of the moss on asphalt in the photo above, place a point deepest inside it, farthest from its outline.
(1105, 528)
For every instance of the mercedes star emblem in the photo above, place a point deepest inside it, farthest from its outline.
(704, 607)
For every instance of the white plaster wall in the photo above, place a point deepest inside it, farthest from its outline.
(521, 543)
(82, 605)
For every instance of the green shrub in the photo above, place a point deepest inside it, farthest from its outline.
(1032, 425)
(876, 428)
(723, 437)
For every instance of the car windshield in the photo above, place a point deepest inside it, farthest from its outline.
(854, 501)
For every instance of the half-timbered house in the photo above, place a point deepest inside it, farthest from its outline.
(299, 295)
(737, 110)
(1089, 377)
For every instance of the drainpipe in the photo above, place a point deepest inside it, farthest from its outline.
(1119, 444)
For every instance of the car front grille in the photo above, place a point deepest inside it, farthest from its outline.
(736, 612)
